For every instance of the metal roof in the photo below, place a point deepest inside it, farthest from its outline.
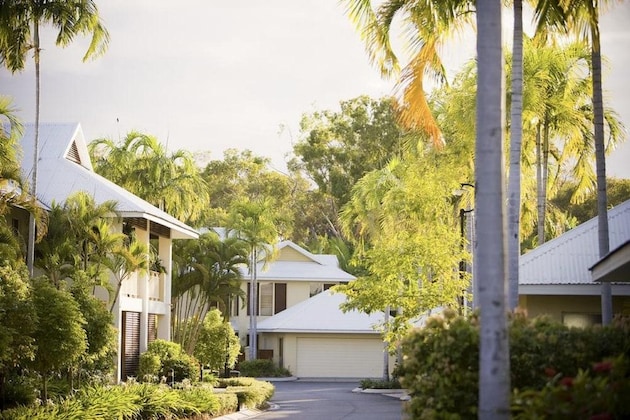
(64, 167)
(566, 260)
(315, 267)
(321, 314)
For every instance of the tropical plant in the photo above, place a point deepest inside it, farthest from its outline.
(169, 361)
(14, 190)
(426, 24)
(125, 261)
(255, 223)
(143, 166)
(59, 334)
(20, 24)
(17, 323)
(218, 346)
(403, 220)
(206, 274)
(80, 238)
(581, 18)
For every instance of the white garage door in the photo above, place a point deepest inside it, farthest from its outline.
(339, 358)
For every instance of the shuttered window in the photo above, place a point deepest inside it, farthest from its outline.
(130, 355)
(153, 328)
(266, 299)
(280, 303)
(272, 298)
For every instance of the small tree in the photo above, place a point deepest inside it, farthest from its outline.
(218, 346)
(59, 335)
(166, 359)
(17, 320)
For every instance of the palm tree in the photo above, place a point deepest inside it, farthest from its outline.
(207, 274)
(426, 24)
(79, 238)
(254, 223)
(123, 262)
(142, 165)
(582, 18)
(13, 189)
(494, 363)
(20, 24)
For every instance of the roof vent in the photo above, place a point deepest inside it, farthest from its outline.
(73, 153)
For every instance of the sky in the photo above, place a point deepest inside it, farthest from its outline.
(208, 75)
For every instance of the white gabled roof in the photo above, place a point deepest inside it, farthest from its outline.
(314, 267)
(65, 168)
(321, 314)
(566, 260)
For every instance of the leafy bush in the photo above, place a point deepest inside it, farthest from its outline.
(19, 390)
(250, 392)
(440, 369)
(228, 403)
(165, 359)
(441, 363)
(216, 341)
(598, 393)
(262, 368)
(148, 401)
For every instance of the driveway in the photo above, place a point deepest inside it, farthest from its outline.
(330, 401)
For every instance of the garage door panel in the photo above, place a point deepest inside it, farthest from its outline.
(339, 357)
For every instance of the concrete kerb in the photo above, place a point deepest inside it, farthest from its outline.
(400, 394)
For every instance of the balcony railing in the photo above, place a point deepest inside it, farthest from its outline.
(131, 287)
(156, 286)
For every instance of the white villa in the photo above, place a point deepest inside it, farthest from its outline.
(143, 311)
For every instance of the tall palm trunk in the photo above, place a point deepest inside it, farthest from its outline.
(540, 196)
(253, 307)
(600, 160)
(544, 180)
(30, 258)
(516, 139)
(494, 360)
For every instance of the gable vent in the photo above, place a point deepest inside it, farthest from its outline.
(73, 153)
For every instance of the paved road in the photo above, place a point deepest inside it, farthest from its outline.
(330, 401)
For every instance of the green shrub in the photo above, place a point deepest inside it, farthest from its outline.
(165, 359)
(228, 403)
(598, 393)
(250, 392)
(184, 367)
(203, 399)
(150, 365)
(441, 363)
(19, 390)
(262, 368)
(440, 369)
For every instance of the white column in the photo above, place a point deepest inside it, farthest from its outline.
(165, 249)
(143, 236)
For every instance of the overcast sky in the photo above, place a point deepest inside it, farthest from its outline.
(207, 75)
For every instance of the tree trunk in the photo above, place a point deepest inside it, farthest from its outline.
(540, 197)
(253, 307)
(30, 259)
(600, 162)
(516, 137)
(494, 361)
